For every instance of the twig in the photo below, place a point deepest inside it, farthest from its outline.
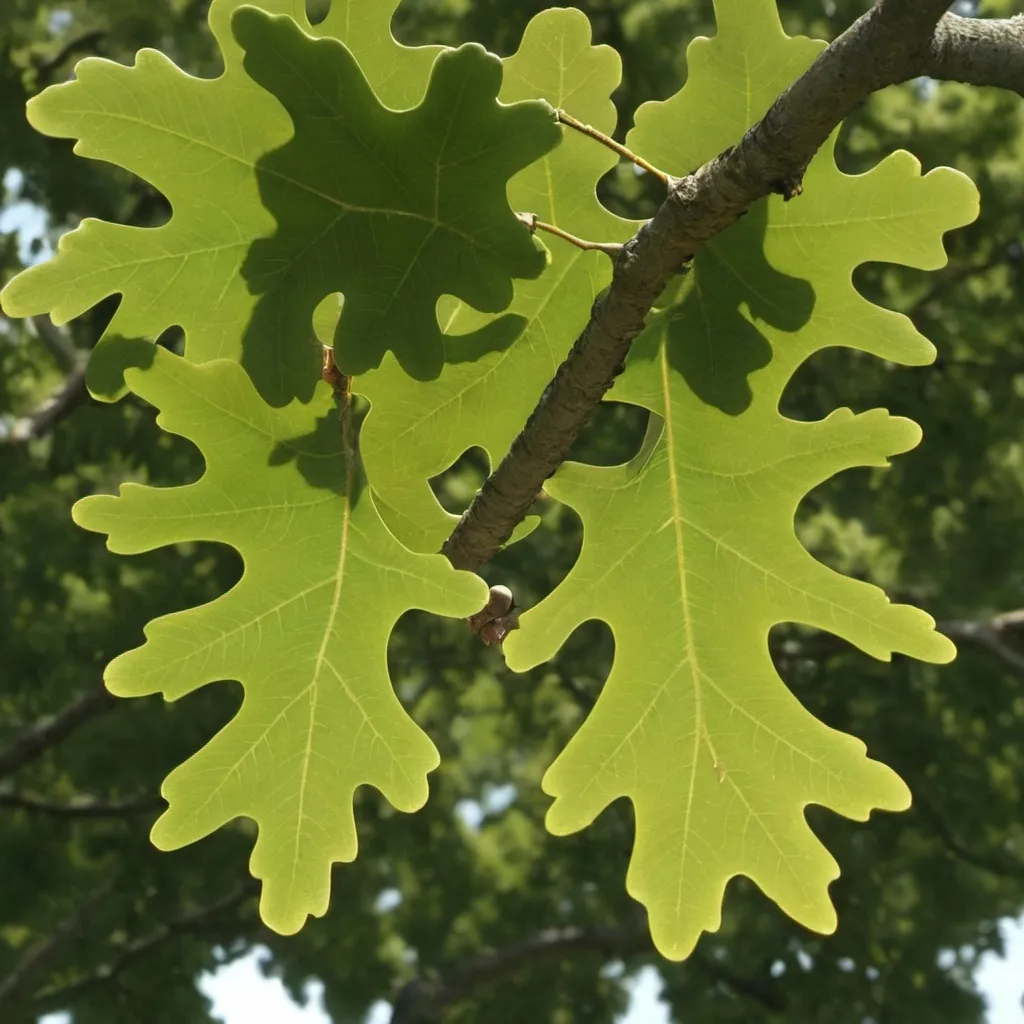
(423, 999)
(530, 220)
(951, 278)
(79, 807)
(35, 957)
(617, 147)
(988, 633)
(49, 731)
(61, 403)
(62, 996)
(1006, 866)
(88, 42)
(341, 385)
(888, 44)
(59, 343)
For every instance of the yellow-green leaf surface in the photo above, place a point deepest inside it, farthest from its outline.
(305, 630)
(408, 200)
(689, 551)
(495, 371)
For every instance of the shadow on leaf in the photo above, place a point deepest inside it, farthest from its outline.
(710, 342)
(319, 455)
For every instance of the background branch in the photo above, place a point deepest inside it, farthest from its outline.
(64, 995)
(47, 732)
(989, 633)
(89, 43)
(59, 342)
(80, 807)
(36, 956)
(424, 1000)
(60, 403)
(998, 863)
(66, 397)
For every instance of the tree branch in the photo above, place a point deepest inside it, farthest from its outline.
(1000, 864)
(35, 957)
(951, 278)
(80, 807)
(978, 51)
(88, 42)
(425, 999)
(889, 44)
(61, 996)
(65, 398)
(61, 403)
(59, 343)
(988, 633)
(47, 732)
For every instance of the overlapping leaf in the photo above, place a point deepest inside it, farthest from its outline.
(493, 377)
(343, 194)
(689, 550)
(305, 631)
(392, 209)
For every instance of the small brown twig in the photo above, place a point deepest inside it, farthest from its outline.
(606, 140)
(497, 618)
(79, 806)
(52, 729)
(65, 995)
(530, 220)
(37, 955)
(341, 385)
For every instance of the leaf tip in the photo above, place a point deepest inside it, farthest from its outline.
(87, 513)
(287, 923)
(164, 835)
(945, 649)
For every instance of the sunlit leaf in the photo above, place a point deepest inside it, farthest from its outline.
(689, 551)
(272, 211)
(305, 630)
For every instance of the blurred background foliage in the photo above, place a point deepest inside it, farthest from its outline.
(468, 911)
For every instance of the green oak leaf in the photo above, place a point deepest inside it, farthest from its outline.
(390, 208)
(689, 550)
(305, 631)
(495, 370)
(200, 143)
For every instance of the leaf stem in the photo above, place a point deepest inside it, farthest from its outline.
(606, 140)
(341, 385)
(530, 220)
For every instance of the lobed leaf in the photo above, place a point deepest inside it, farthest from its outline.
(272, 212)
(305, 630)
(495, 370)
(689, 550)
(393, 209)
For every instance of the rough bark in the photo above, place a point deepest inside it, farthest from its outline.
(978, 51)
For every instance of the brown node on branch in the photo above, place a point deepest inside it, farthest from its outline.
(529, 221)
(338, 381)
(788, 188)
(497, 618)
